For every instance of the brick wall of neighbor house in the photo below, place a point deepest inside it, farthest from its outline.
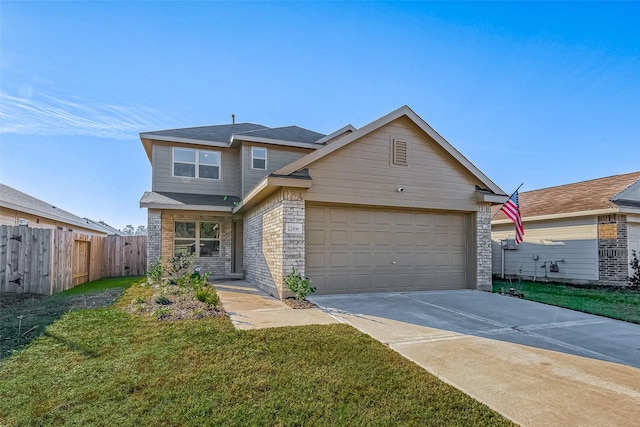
(216, 265)
(154, 237)
(483, 247)
(269, 251)
(612, 248)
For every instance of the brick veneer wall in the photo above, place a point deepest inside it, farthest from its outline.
(154, 237)
(613, 253)
(217, 265)
(483, 247)
(269, 252)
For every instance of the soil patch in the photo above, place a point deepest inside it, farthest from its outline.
(298, 304)
(171, 302)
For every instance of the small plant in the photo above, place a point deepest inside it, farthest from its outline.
(634, 280)
(138, 300)
(299, 286)
(208, 296)
(198, 280)
(163, 300)
(162, 312)
(156, 271)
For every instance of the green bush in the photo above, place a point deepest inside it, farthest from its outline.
(208, 296)
(634, 280)
(299, 286)
(163, 300)
(156, 272)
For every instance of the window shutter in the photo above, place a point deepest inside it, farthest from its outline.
(400, 152)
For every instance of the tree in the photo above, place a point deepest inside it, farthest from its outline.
(128, 229)
(141, 230)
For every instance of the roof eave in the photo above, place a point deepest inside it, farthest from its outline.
(77, 223)
(556, 216)
(186, 207)
(266, 187)
(208, 143)
(236, 139)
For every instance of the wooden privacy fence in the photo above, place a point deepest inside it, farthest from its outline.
(46, 261)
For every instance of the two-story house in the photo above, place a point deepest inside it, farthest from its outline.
(389, 206)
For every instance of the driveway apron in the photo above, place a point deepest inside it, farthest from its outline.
(536, 364)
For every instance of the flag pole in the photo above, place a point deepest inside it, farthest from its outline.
(507, 199)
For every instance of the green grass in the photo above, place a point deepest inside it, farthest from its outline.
(107, 367)
(25, 317)
(617, 303)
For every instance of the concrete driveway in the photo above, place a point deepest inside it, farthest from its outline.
(537, 364)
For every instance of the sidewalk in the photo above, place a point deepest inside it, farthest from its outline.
(531, 386)
(250, 308)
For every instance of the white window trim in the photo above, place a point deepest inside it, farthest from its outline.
(259, 158)
(196, 163)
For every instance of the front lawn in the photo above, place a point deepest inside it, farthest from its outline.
(106, 366)
(24, 317)
(617, 303)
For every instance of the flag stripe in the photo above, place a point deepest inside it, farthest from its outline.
(512, 210)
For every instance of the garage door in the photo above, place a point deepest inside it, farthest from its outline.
(352, 250)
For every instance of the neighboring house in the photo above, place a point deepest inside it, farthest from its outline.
(389, 206)
(575, 233)
(18, 208)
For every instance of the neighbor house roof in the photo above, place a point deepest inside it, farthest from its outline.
(592, 195)
(10, 198)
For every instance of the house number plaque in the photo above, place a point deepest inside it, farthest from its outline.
(293, 228)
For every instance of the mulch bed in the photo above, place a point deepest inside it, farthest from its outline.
(180, 304)
(298, 304)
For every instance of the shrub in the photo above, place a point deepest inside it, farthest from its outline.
(162, 312)
(156, 272)
(163, 300)
(634, 280)
(299, 286)
(208, 296)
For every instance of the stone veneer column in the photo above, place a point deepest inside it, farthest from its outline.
(154, 237)
(293, 229)
(273, 236)
(483, 247)
(613, 249)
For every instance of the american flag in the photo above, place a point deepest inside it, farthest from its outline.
(512, 210)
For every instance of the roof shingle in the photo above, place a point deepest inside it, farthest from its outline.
(577, 197)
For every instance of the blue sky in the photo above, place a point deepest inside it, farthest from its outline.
(541, 93)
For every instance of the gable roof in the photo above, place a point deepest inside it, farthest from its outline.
(403, 111)
(592, 195)
(10, 198)
(226, 135)
(218, 133)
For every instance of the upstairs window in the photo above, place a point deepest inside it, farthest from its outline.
(192, 163)
(258, 158)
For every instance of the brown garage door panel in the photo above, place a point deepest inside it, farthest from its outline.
(364, 250)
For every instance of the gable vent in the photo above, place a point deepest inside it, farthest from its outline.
(400, 152)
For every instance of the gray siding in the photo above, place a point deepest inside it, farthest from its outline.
(574, 240)
(362, 173)
(162, 179)
(277, 157)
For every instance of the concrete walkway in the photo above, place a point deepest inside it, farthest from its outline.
(531, 386)
(251, 308)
